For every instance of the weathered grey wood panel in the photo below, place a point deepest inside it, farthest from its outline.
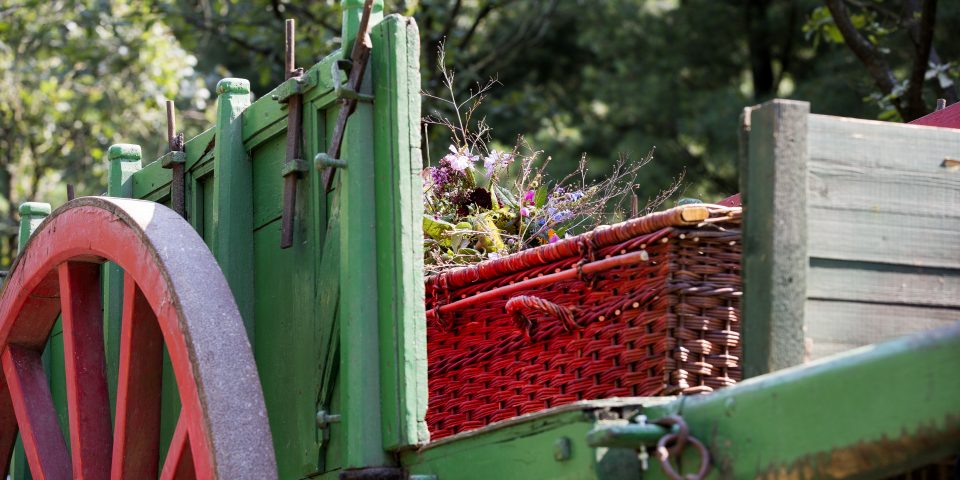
(837, 326)
(879, 283)
(880, 218)
(878, 192)
(883, 221)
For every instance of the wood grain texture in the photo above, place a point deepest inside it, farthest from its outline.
(136, 446)
(881, 283)
(232, 213)
(837, 326)
(774, 193)
(43, 441)
(91, 435)
(396, 80)
(879, 194)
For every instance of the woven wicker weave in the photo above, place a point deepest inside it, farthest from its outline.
(646, 307)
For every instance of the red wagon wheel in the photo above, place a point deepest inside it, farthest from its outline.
(174, 294)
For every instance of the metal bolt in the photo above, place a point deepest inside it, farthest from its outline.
(324, 419)
(561, 449)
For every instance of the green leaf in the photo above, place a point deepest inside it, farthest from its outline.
(437, 229)
(540, 198)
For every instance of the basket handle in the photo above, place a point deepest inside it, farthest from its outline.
(521, 305)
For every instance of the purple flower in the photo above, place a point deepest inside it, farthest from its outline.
(553, 237)
(524, 212)
(574, 196)
(529, 196)
(460, 159)
(495, 159)
(440, 175)
(562, 215)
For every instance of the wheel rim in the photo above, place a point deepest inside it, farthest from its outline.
(174, 294)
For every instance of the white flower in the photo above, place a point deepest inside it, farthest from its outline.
(495, 159)
(460, 159)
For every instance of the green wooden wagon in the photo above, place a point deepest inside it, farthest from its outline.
(162, 330)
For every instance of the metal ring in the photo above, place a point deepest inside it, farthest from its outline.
(663, 454)
(682, 434)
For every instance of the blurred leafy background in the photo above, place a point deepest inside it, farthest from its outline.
(594, 77)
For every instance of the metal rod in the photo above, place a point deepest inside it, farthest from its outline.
(941, 104)
(359, 56)
(177, 181)
(289, 58)
(70, 192)
(294, 137)
(171, 126)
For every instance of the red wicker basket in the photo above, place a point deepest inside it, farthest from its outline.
(646, 307)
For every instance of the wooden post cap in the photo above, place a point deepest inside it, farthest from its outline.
(125, 152)
(233, 86)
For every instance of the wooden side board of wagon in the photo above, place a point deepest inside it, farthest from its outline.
(850, 231)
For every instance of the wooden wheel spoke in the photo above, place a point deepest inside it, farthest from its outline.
(30, 395)
(176, 301)
(136, 448)
(179, 463)
(87, 399)
(8, 428)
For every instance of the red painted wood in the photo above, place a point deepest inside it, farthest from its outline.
(88, 403)
(179, 462)
(948, 118)
(42, 439)
(8, 428)
(731, 201)
(136, 447)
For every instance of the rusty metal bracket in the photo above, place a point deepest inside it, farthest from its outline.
(343, 90)
(294, 166)
(175, 160)
(169, 159)
(296, 85)
(358, 60)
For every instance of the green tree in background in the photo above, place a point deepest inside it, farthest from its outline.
(75, 77)
(594, 77)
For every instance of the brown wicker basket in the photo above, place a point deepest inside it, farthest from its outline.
(646, 307)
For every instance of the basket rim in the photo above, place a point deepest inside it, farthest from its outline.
(602, 236)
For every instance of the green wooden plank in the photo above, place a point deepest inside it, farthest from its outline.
(359, 333)
(532, 446)
(269, 157)
(285, 349)
(775, 237)
(267, 117)
(232, 213)
(151, 181)
(399, 207)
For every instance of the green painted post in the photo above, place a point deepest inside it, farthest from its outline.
(31, 215)
(232, 242)
(774, 192)
(359, 329)
(125, 160)
(395, 69)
